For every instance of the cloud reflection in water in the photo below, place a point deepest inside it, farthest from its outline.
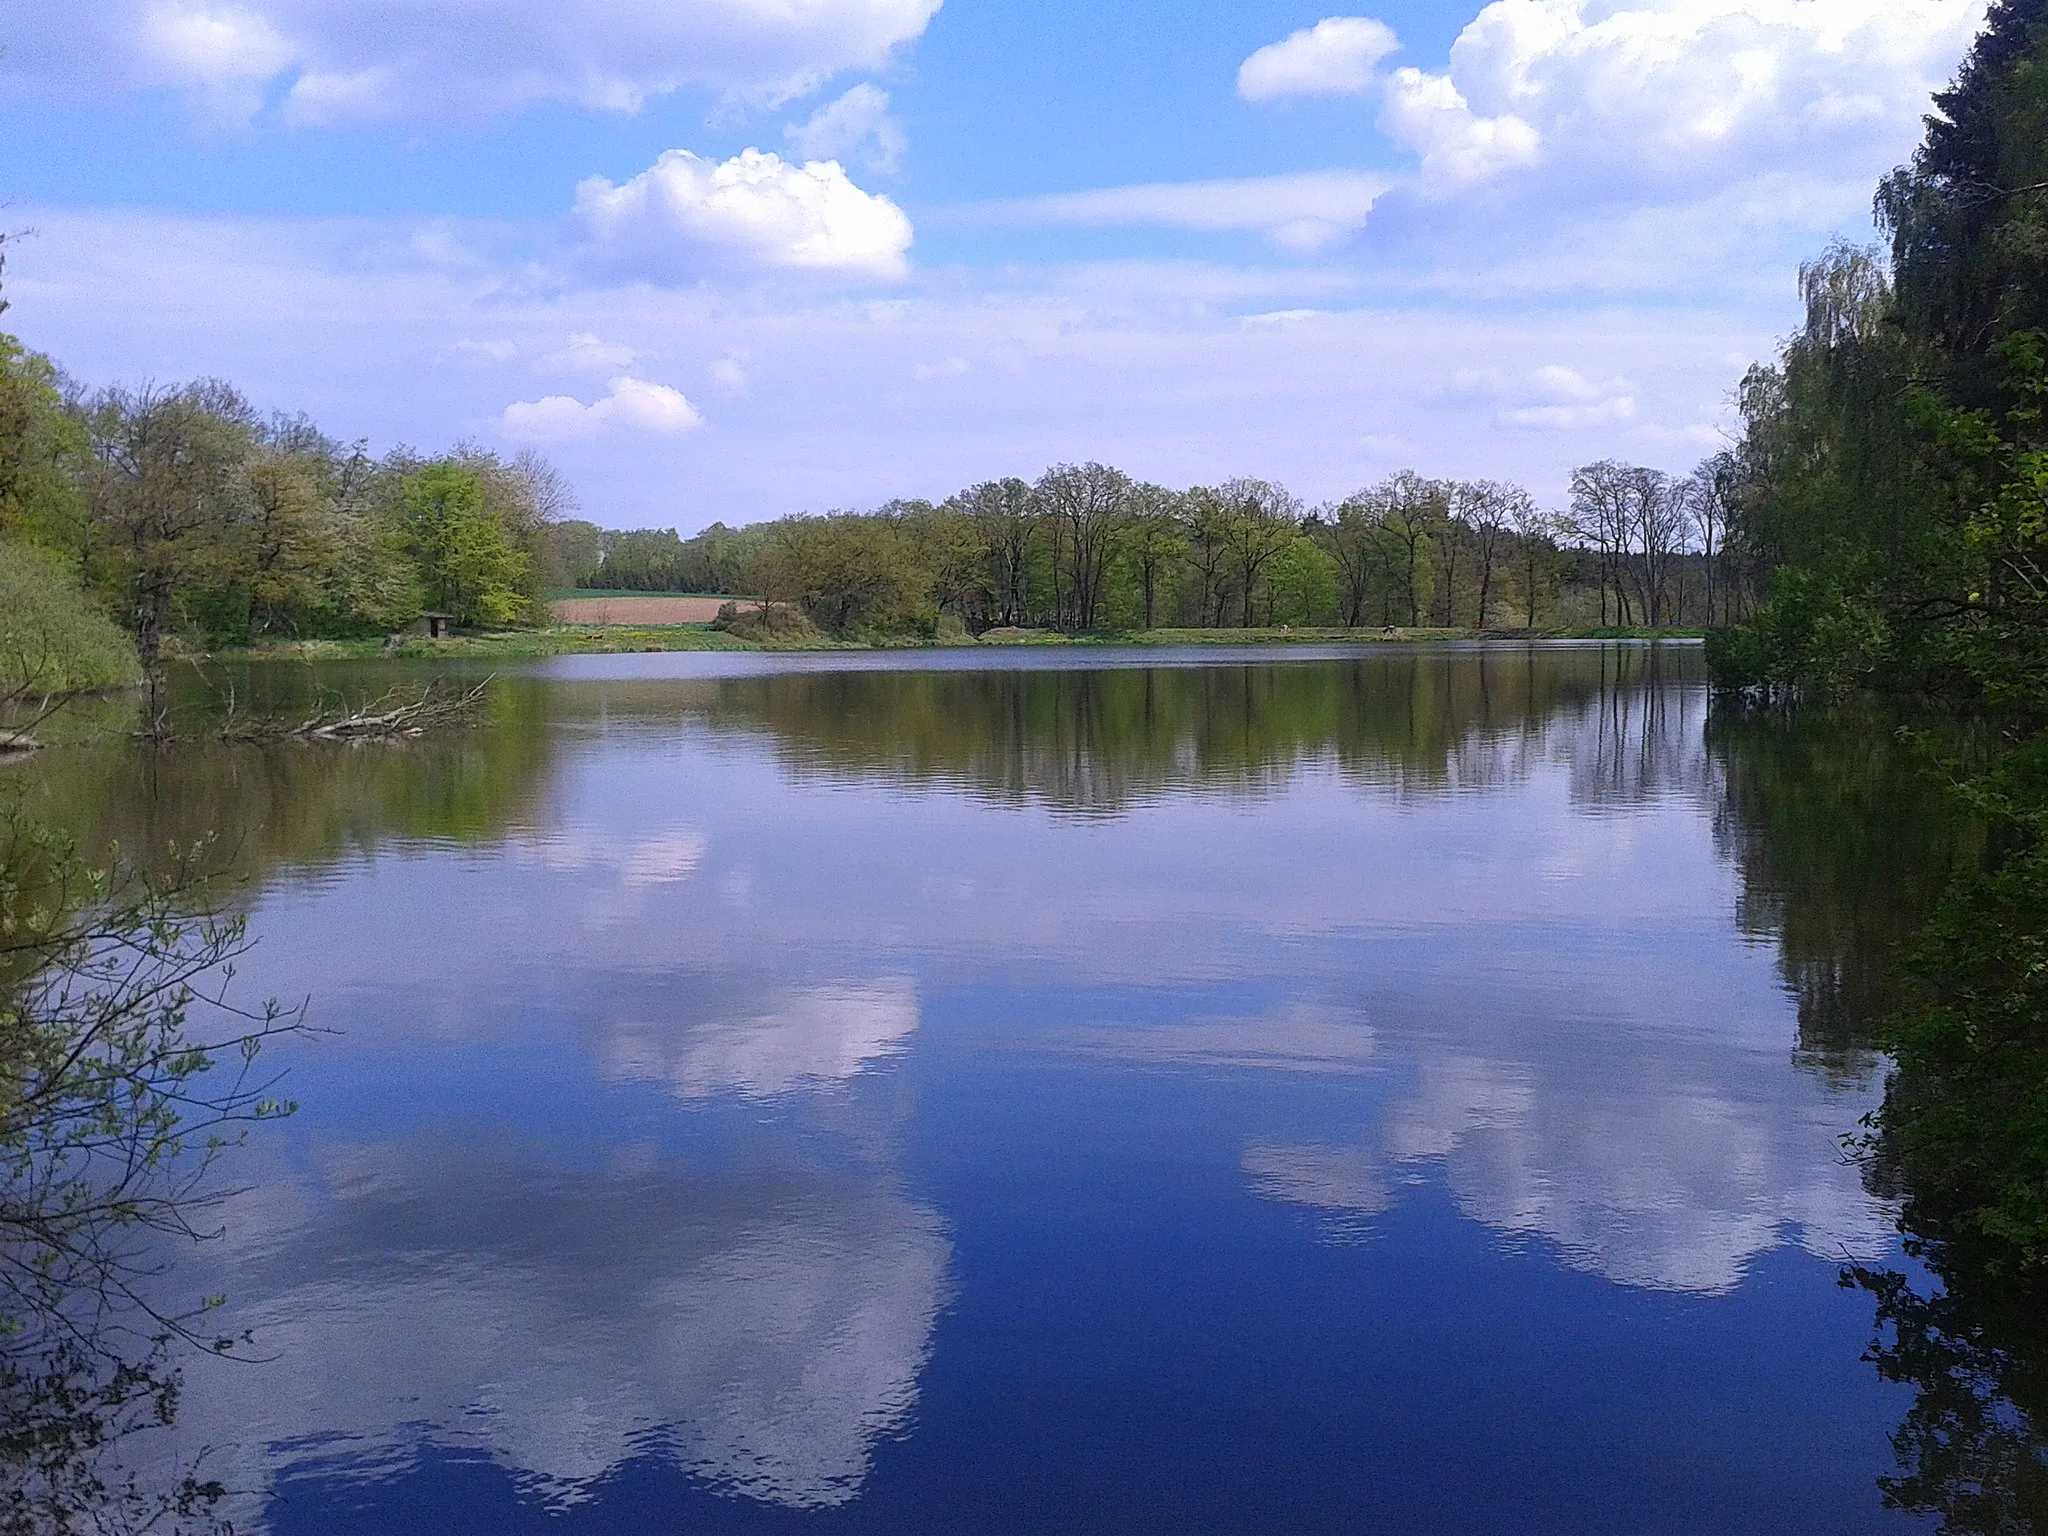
(1638, 1164)
(763, 1328)
(804, 1036)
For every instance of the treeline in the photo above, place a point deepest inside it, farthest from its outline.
(1892, 487)
(1088, 548)
(654, 559)
(187, 511)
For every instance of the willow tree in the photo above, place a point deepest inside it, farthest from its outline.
(1834, 497)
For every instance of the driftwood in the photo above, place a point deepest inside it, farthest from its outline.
(400, 713)
(22, 708)
(387, 718)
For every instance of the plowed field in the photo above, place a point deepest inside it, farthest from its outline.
(652, 609)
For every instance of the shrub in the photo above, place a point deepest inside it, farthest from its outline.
(765, 624)
(52, 639)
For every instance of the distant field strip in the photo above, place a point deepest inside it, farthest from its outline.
(651, 609)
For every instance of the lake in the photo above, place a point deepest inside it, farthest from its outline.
(1372, 1089)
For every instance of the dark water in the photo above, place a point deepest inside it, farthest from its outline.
(1398, 1091)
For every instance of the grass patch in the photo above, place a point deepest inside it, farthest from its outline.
(602, 640)
(501, 645)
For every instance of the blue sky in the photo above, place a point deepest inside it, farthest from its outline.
(736, 258)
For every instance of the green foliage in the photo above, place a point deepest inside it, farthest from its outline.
(123, 1075)
(1833, 496)
(574, 552)
(469, 563)
(765, 623)
(652, 559)
(2001, 466)
(1813, 631)
(1968, 218)
(191, 516)
(1088, 550)
(1893, 486)
(849, 574)
(1892, 458)
(1964, 1129)
(40, 451)
(194, 519)
(52, 639)
(160, 483)
(1302, 581)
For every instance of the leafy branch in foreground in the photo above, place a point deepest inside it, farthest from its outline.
(125, 1072)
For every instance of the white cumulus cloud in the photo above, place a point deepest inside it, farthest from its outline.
(1335, 57)
(1678, 94)
(225, 55)
(632, 403)
(855, 127)
(688, 217)
(348, 62)
(1428, 114)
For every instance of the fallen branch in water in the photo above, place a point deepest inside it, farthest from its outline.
(26, 702)
(390, 716)
(398, 714)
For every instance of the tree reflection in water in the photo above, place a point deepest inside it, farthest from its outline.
(1971, 1448)
(1847, 844)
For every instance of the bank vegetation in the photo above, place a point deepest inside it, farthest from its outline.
(1890, 490)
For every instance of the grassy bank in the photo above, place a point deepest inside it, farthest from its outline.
(506, 644)
(1329, 636)
(581, 640)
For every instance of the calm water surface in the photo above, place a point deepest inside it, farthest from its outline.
(1392, 1091)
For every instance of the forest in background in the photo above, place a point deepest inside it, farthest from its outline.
(1086, 548)
(185, 515)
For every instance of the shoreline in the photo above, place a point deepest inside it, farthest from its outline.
(590, 640)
